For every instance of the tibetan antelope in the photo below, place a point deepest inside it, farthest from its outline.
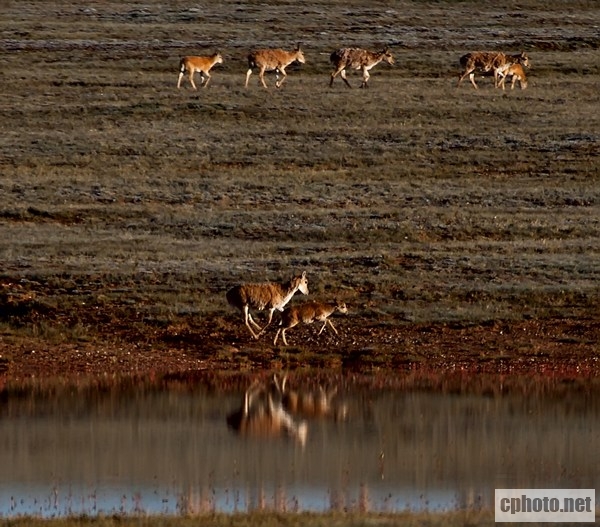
(307, 313)
(486, 62)
(272, 60)
(517, 73)
(262, 415)
(267, 295)
(358, 59)
(201, 64)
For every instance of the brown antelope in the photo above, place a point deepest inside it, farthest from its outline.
(488, 61)
(202, 64)
(477, 60)
(308, 313)
(267, 295)
(272, 60)
(358, 59)
(517, 73)
(263, 415)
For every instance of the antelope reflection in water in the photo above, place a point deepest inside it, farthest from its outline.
(319, 402)
(274, 410)
(262, 415)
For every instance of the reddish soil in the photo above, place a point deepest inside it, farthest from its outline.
(562, 349)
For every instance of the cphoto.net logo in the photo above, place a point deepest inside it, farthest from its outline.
(545, 505)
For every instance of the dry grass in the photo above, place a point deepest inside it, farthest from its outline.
(270, 519)
(412, 198)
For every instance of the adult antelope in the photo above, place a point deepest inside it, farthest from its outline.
(517, 73)
(488, 61)
(262, 415)
(192, 64)
(272, 60)
(307, 313)
(358, 59)
(262, 296)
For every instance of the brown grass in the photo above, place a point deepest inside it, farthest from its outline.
(271, 519)
(124, 199)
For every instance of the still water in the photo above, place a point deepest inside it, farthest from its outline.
(293, 449)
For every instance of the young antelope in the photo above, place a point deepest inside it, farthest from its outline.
(201, 64)
(307, 313)
(517, 73)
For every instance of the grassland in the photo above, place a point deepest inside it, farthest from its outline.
(461, 226)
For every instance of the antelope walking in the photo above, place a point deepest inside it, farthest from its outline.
(272, 60)
(358, 59)
(267, 295)
(307, 313)
(192, 64)
(517, 73)
(488, 61)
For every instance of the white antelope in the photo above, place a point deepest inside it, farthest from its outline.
(262, 296)
(193, 64)
(307, 313)
(358, 59)
(488, 61)
(272, 60)
(262, 415)
(517, 73)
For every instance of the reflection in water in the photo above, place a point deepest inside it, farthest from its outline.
(273, 409)
(287, 447)
(262, 415)
(319, 402)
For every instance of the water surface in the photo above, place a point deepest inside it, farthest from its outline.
(191, 451)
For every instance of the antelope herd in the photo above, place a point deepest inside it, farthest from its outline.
(495, 63)
(275, 296)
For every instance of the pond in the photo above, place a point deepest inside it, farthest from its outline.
(288, 447)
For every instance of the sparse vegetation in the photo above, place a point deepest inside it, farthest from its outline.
(128, 207)
(269, 519)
